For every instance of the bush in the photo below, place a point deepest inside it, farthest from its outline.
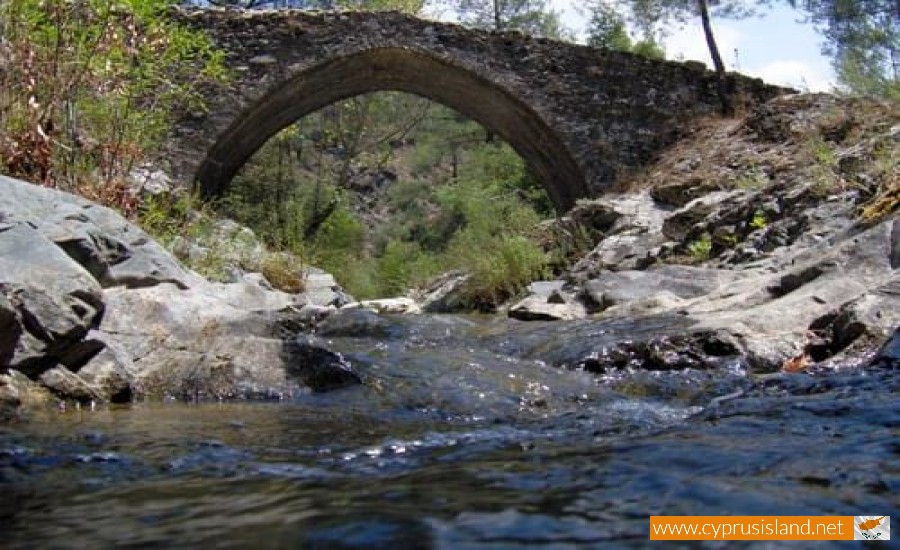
(88, 89)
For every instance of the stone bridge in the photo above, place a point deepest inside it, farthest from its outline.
(580, 117)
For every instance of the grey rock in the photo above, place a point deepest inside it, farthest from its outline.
(444, 294)
(108, 374)
(631, 241)
(9, 399)
(56, 301)
(113, 250)
(684, 282)
(321, 289)
(895, 244)
(889, 354)
(548, 301)
(10, 330)
(395, 306)
(320, 368)
(212, 341)
(68, 385)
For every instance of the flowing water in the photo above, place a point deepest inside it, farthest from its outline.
(452, 444)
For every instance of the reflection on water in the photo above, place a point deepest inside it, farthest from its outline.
(417, 463)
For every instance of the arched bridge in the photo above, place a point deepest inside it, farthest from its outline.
(580, 117)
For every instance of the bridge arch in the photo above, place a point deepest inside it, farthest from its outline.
(404, 70)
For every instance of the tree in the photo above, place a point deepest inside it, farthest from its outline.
(863, 39)
(529, 16)
(608, 30)
(649, 13)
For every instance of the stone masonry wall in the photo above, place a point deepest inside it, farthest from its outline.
(580, 116)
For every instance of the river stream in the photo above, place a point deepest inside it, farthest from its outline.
(453, 441)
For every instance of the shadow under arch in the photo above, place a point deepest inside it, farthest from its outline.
(403, 70)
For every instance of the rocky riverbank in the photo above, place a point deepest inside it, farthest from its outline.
(771, 240)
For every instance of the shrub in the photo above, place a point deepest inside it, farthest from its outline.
(701, 249)
(88, 89)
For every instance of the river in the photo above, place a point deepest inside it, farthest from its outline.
(453, 442)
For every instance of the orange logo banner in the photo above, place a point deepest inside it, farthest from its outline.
(752, 528)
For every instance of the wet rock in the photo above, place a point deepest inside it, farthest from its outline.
(655, 342)
(356, 323)
(9, 399)
(889, 354)
(548, 301)
(319, 368)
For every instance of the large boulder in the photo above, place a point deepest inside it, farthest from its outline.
(212, 341)
(110, 248)
(92, 309)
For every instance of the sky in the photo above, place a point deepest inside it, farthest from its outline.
(775, 47)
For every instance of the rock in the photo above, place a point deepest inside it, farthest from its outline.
(853, 293)
(10, 330)
(212, 341)
(110, 248)
(321, 289)
(355, 323)
(443, 294)
(548, 302)
(889, 354)
(108, 375)
(147, 180)
(319, 368)
(682, 223)
(670, 284)
(68, 385)
(56, 301)
(631, 241)
(397, 306)
(9, 399)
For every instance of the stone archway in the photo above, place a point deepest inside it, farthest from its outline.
(581, 117)
(404, 70)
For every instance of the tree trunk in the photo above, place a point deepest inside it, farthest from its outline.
(498, 22)
(724, 91)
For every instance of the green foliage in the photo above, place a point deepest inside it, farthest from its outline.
(88, 89)
(501, 267)
(649, 48)
(863, 39)
(408, 6)
(530, 16)
(759, 221)
(608, 30)
(459, 199)
(701, 248)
